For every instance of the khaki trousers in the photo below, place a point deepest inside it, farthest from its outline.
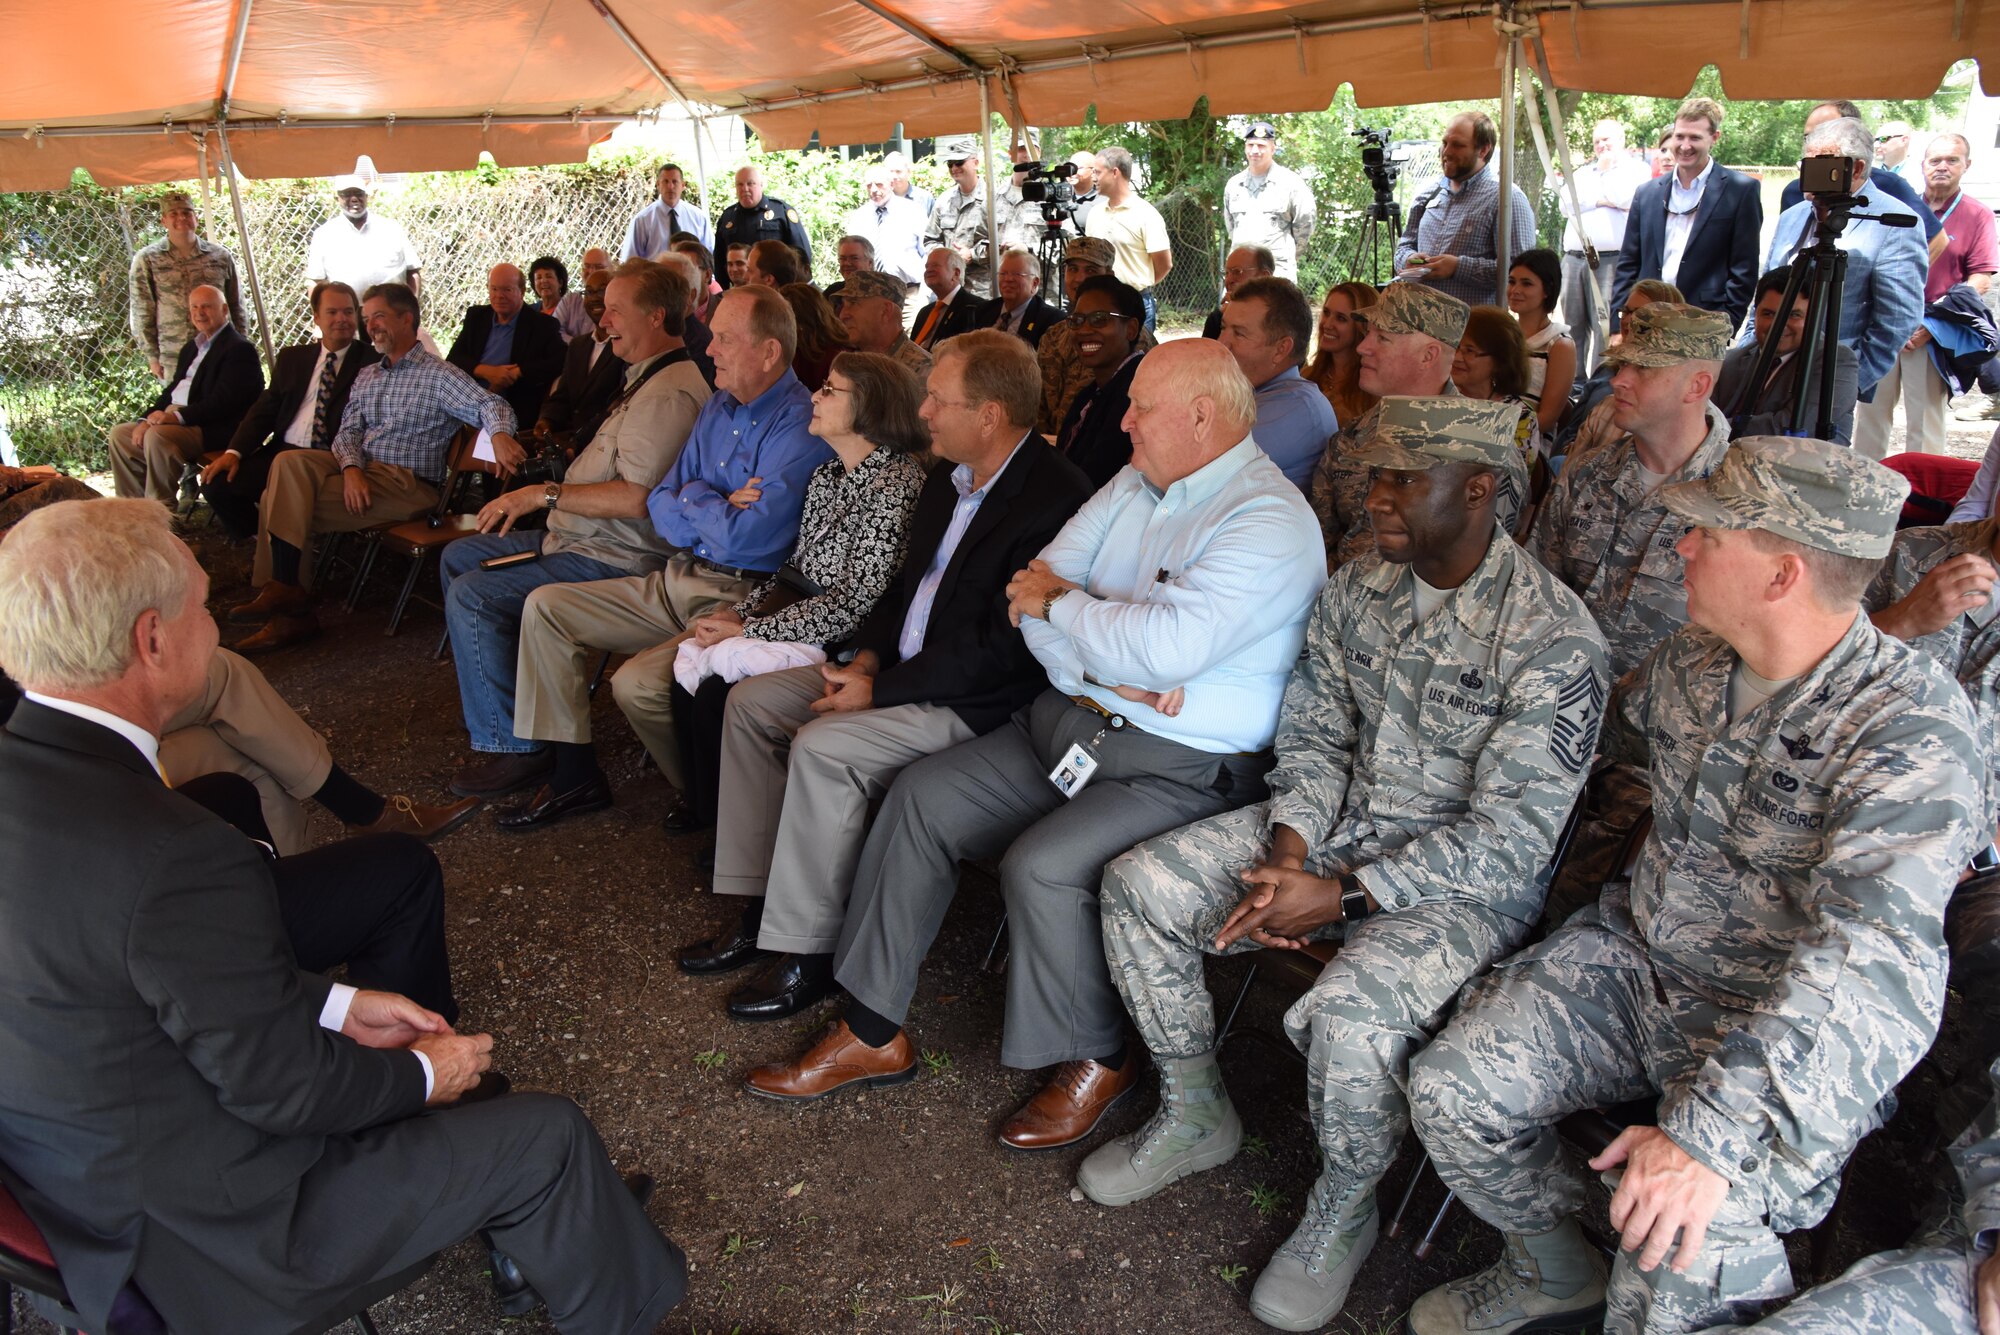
(1914, 380)
(242, 726)
(794, 797)
(563, 626)
(305, 495)
(148, 460)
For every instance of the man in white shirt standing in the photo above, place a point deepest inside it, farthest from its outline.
(362, 249)
(893, 224)
(1604, 188)
(653, 227)
(1135, 229)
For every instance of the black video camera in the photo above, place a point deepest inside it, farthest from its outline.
(1381, 171)
(1049, 187)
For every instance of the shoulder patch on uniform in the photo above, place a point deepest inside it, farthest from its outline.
(793, 214)
(1573, 732)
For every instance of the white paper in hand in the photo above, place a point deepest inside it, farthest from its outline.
(482, 448)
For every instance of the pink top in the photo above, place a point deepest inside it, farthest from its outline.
(1970, 246)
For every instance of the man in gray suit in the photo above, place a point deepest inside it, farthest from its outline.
(281, 1163)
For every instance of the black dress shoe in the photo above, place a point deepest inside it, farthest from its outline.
(548, 806)
(705, 860)
(516, 1296)
(733, 948)
(788, 986)
(498, 775)
(683, 820)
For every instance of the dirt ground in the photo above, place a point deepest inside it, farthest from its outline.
(880, 1211)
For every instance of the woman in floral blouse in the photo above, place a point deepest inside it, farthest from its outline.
(853, 532)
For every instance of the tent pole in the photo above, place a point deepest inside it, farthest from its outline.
(1503, 231)
(249, 251)
(986, 166)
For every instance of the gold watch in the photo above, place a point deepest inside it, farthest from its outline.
(1049, 600)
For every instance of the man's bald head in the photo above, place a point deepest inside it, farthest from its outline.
(1191, 404)
(506, 288)
(207, 309)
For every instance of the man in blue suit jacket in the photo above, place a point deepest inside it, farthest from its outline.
(1883, 299)
(1697, 226)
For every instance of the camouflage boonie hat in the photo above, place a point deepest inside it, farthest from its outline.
(1822, 495)
(1091, 250)
(1414, 434)
(874, 283)
(1412, 308)
(1667, 333)
(175, 199)
(957, 147)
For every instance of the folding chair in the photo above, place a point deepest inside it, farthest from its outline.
(416, 539)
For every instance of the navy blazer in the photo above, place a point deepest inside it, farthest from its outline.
(539, 346)
(229, 381)
(1035, 321)
(291, 382)
(1719, 267)
(960, 316)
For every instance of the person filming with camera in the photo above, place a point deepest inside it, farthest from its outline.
(1882, 300)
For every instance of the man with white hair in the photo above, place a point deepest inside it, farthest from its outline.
(756, 216)
(1896, 149)
(1883, 300)
(652, 228)
(1168, 612)
(954, 308)
(187, 1110)
(903, 186)
(891, 223)
(216, 377)
(1604, 188)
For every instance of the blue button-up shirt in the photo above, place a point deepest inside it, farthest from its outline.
(1461, 218)
(653, 227)
(918, 619)
(499, 350)
(731, 443)
(405, 413)
(1205, 586)
(1294, 423)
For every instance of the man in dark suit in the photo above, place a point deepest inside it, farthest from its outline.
(1019, 309)
(280, 1164)
(216, 378)
(954, 308)
(936, 663)
(1768, 412)
(1697, 227)
(300, 410)
(513, 351)
(591, 377)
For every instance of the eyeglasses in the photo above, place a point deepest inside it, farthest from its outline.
(829, 389)
(1889, 138)
(1098, 319)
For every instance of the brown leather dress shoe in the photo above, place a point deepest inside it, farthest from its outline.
(402, 816)
(275, 599)
(280, 632)
(839, 1058)
(1068, 1108)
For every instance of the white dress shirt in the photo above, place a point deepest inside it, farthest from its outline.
(1682, 204)
(300, 431)
(185, 385)
(917, 620)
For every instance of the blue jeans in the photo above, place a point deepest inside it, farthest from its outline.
(482, 609)
(1152, 307)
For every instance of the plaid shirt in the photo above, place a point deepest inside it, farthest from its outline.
(407, 413)
(1462, 223)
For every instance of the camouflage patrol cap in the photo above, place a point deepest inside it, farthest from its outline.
(875, 283)
(1091, 250)
(1412, 308)
(1414, 434)
(957, 147)
(1667, 333)
(1822, 495)
(175, 199)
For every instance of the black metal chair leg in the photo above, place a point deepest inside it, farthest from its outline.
(444, 643)
(403, 598)
(364, 566)
(1242, 995)
(1428, 1243)
(1394, 1228)
(367, 1323)
(995, 958)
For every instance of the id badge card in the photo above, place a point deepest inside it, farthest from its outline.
(1074, 770)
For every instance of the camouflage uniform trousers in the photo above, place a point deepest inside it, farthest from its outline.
(1381, 998)
(1559, 1030)
(1927, 1289)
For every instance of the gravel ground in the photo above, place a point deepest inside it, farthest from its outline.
(880, 1211)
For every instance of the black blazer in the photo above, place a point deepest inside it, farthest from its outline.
(1770, 413)
(167, 1080)
(973, 661)
(961, 315)
(1720, 265)
(583, 394)
(291, 384)
(538, 350)
(230, 378)
(1097, 443)
(1034, 322)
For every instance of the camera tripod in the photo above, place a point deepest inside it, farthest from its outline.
(1050, 243)
(1821, 271)
(1368, 242)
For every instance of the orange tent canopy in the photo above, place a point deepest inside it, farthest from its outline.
(136, 92)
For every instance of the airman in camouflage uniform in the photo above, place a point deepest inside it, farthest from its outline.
(1604, 532)
(1063, 375)
(1775, 964)
(1931, 1285)
(1340, 481)
(887, 287)
(1428, 761)
(958, 220)
(164, 274)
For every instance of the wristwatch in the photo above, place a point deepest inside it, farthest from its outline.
(551, 493)
(1049, 600)
(1353, 899)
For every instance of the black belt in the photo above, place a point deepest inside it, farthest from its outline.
(731, 572)
(1578, 254)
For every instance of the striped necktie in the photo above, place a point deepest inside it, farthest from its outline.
(329, 367)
